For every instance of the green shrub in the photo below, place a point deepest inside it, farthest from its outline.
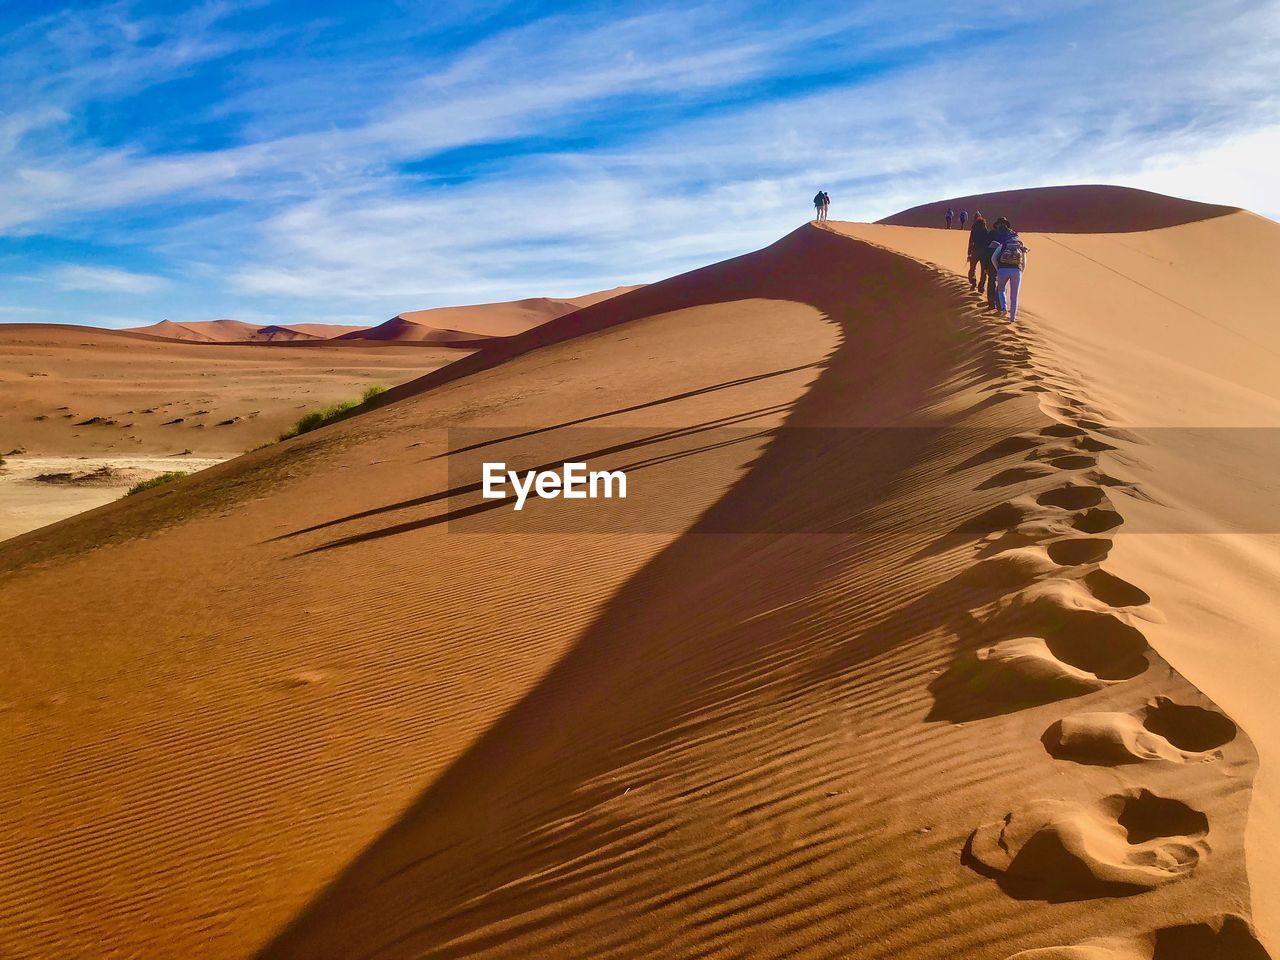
(318, 418)
(156, 481)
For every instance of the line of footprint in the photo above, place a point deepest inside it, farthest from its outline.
(1069, 632)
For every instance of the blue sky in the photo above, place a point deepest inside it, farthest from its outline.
(282, 161)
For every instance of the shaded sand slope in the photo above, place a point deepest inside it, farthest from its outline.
(197, 760)
(837, 712)
(1087, 208)
(1172, 333)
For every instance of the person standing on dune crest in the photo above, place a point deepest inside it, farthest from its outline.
(1009, 257)
(820, 202)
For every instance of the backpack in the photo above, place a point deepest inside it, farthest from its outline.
(1013, 253)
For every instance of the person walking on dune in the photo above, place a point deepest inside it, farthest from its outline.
(989, 267)
(1009, 256)
(963, 215)
(951, 215)
(979, 238)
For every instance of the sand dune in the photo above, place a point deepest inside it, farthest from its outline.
(855, 684)
(1180, 349)
(450, 326)
(237, 331)
(470, 324)
(1076, 209)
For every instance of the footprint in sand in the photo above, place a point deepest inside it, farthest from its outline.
(1113, 591)
(1014, 475)
(1074, 461)
(1097, 520)
(1016, 560)
(1072, 496)
(1226, 937)
(1066, 641)
(1059, 600)
(1070, 447)
(1160, 730)
(1078, 551)
(1059, 850)
(1061, 430)
(1043, 669)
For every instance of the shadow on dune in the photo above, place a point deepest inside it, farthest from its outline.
(711, 428)
(526, 845)
(465, 489)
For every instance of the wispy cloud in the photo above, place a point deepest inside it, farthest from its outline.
(382, 164)
(104, 280)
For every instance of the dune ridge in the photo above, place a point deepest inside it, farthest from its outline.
(1085, 208)
(771, 732)
(226, 331)
(472, 325)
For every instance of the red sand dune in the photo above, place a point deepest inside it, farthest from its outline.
(326, 331)
(237, 331)
(1074, 209)
(457, 325)
(452, 326)
(889, 679)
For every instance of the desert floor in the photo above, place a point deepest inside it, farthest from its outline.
(109, 398)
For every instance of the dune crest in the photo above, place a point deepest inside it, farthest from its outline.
(1087, 208)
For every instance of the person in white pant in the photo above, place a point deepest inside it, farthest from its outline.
(1009, 255)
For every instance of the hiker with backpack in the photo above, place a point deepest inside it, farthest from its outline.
(979, 238)
(950, 216)
(1009, 256)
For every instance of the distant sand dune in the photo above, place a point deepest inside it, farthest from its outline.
(472, 324)
(1079, 209)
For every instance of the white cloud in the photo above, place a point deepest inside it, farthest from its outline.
(104, 279)
(307, 204)
(1238, 170)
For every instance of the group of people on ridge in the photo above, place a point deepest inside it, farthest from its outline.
(997, 258)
